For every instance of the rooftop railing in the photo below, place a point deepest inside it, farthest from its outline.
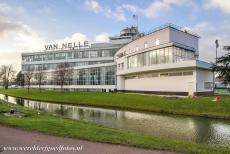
(170, 25)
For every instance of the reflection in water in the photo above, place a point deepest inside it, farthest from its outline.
(195, 129)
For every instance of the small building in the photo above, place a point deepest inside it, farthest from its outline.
(164, 61)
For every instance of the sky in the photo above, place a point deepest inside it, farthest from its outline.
(27, 25)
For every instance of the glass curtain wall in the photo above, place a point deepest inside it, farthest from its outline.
(159, 56)
(70, 55)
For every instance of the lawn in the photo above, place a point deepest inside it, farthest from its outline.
(200, 106)
(59, 126)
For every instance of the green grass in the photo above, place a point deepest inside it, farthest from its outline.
(222, 91)
(59, 126)
(200, 106)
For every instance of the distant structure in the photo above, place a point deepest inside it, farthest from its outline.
(226, 48)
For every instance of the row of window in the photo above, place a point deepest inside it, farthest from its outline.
(37, 67)
(69, 55)
(90, 76)
(157, 42)
(208, 85)
(152, 75)
(120, 66)
(164, 55)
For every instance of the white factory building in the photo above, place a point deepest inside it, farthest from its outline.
(163, 61)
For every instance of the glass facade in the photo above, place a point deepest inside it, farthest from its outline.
(91, 75)
(51, 66)
(163, 55)
(69, 55)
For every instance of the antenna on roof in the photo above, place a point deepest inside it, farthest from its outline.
(135, 17)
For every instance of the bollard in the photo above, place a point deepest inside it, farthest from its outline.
(218, 99)
(12, 111)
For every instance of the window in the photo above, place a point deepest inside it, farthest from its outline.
(122, 66)
(159, 56)
(85, 54)
(93, 54)
(146, 45)
(175, 74)
(148, 75)
(131, 77)
(164, 74)
(152, 57)
(137, 48)
(69, 55)
(187, 73)
(207, 85)
(157, 42)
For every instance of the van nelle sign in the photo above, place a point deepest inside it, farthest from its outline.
(72, 45)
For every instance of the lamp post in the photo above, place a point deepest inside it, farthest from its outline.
(217, 46)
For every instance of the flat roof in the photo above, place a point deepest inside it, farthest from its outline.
(170, 25)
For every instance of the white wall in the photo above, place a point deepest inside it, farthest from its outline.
(161, 35)
(201, 77)
(184, 38)
(167, 84)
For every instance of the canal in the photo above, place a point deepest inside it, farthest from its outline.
(195, 129)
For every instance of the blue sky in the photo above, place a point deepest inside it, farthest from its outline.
(26, 25)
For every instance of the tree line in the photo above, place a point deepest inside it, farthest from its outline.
(61, 76)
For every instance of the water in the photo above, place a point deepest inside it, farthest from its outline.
(195, 129)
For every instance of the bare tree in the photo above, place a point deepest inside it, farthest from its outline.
(28, 75)
(20, 79)
(63, 74)
(39, 77)
(7, 73)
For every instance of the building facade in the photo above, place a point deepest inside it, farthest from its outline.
(93, 66)
(164, 61)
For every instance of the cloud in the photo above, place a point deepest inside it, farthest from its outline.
(9, 12)
(159, 7)
(223, 5)
(11, 58)
(103, 37)
(7, 27)
(117, 14)
(93, 5)
(156, 8)
(46, 11)
(130, 8)
(76, 37)
(80, 37)
(16, 36)
(152, 11)
(209, 33)
(28, 42)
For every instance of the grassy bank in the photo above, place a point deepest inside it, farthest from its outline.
(201, 106)
(77, 129)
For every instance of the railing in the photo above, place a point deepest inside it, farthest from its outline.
(172, 26)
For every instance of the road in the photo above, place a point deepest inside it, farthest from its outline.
(27, 142)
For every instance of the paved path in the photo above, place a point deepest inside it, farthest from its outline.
(18, 138)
